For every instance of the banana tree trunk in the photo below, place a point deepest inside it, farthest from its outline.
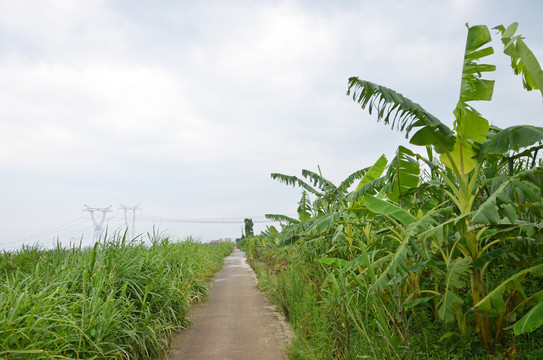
(482, 322)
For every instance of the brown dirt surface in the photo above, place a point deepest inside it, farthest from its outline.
(236, 323)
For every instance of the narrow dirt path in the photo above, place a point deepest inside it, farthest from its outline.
(236, 323)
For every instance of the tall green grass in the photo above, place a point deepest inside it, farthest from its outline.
(118, 300)
(333, 317)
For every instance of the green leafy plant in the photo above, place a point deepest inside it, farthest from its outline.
(454, 231)
(463, 152)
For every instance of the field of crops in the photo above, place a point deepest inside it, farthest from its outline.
(118, 300)
(432, 255)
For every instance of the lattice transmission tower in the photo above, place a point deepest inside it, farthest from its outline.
(98, 225)
(126, 209)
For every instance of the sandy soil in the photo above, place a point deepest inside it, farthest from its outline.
(236, 323)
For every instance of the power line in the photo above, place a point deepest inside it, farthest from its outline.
(60, 230)
(69, 224)
(235, 220)
(77, 229)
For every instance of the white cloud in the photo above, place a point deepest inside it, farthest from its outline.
(63, 29)
(96, 112)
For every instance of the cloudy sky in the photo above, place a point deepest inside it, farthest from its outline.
(186, 107)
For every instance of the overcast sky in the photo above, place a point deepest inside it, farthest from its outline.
(186, 107)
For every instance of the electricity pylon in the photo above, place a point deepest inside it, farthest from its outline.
(133, 209)
(98, 225)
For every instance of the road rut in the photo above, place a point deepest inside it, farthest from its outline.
(236, 323)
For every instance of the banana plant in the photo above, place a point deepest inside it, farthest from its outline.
(321, 215)
(463, 152)
(523, 61)
(328, 197)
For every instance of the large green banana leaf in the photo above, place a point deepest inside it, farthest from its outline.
(401, 113)
(513, 138)
(523, 61)
(530, 321)
(494, 299)
(404, 171)
(379, 206)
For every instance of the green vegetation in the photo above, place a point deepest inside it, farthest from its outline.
(428, 256)
(249, 227)
(118, 300)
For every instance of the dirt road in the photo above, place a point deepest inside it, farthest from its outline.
(236, 323)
